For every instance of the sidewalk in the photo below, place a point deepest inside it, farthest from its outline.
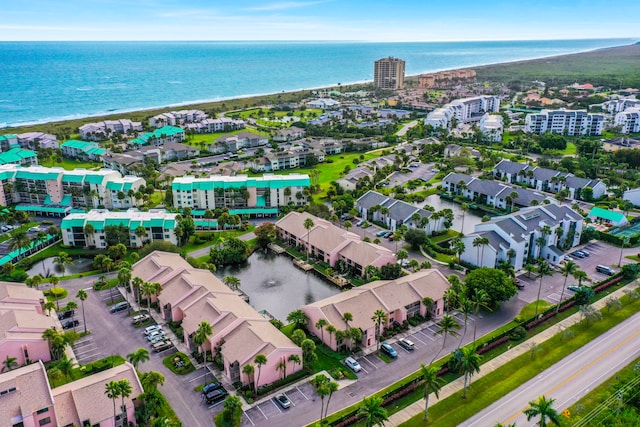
(453, 387)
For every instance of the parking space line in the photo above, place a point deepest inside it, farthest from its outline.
(197, 378)
(89, 356)
(369, 362)
(418, 339)
(89, 350)
(303, 395)
(276, 405)
(285, 395)
(263, 414)
(249, 418)
(431, 337)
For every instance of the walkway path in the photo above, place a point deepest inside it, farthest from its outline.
(457, 385)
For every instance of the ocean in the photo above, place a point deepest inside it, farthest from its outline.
(50, 81)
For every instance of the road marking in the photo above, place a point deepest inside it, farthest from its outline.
(249, 418)
(289, 399)
(303, 395)
(369, 362)
(418, 339)
(578, 373)
(197, 378)
(263, 414)
(276, 405)
(427, 336)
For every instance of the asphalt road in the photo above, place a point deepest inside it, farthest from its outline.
(570, 379)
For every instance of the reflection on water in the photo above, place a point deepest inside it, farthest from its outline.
(274, 284)
(471, 217)
(46, 267)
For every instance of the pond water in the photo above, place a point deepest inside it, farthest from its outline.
(471, 217)
(274, 284)
(46, 267)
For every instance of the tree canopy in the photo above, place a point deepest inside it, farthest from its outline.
(498, 286)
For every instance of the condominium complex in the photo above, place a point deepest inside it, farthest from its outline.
(443, 78)
(33, 140)
(536, 232)
(240, 192)
(332, 244)
(82, 150)
(223, 124)
(240, 333)
(177, 118)
(18, 156)
(160, 136)
(55, 191)
(100, 131)
(464, 110)
(158, 224)
(388, 73)
(29, 400)
(628, 120)
(565, 122)
(492, 126)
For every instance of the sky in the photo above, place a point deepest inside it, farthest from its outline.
(361, 20)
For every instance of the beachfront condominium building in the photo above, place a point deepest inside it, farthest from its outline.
(101, 131)
(331, 244)
(388, 73)
(177, 118)
(159, 136)
(492, 126)
(628, 120)
(28, 399)
(464, 110)
(18, 156)
(240, 333)
(536, 232)
(54, 191)
(222, 124)
(548, 180)
(564, 122)
(82, 150)
(400, 299)
(132, 228)
(240, 192)
(32, 140)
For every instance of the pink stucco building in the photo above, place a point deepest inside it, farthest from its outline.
(194, 296)
(22, 323)
(331, 244)
(400, 299)
(28, 400)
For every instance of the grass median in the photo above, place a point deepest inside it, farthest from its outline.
(454, 410)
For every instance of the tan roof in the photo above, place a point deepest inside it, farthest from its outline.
(10, 292)
(85, 399)
(387, 295)
(323, 235)
(157, 264)
(254, 337)
(364, 253)
(31, 392)
(24, 321)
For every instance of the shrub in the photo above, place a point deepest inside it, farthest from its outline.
(517, 333)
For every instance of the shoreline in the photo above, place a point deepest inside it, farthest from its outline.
(215, 103)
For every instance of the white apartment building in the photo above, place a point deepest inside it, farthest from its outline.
(101, 130)
(492, 127)
(439, 118)
(176, 118)
(240, 192)
(628, 120)
(465, 110)
(562, 121)
(158, 224)
(617, 105)
(223, 124)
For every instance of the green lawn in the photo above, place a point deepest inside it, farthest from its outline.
(529, 310)
(70, 164)
(570, 150)
(210, 138)
(192, 246)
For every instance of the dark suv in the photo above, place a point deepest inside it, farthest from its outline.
(211, 386)
(215, 396)
(70, 324)
(65, 314)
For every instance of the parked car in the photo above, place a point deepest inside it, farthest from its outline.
(70, 324)
(406, 344)
(157, 339)
(404, 263)
(518, 284)
(155, 334)
(352, 364)
(578, 254)
(359, 223)
(283, 401)
(151, 328)
(605, 270)
(388, 350)
(211, 386)
(121, 306)
(387, 234)
(381, 233)
(215, 396)
(346, 216)
(573, 288)
(585, 252)
(65, 314)
(140, 318)
(162, 346)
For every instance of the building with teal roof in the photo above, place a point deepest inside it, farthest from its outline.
(91, 229)
(83, 150)
(256, 196)
(159, 136)
(18, 156)
(605, 216)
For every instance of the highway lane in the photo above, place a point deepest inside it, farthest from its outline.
(570, 379)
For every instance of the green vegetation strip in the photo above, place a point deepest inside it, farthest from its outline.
(488, 389)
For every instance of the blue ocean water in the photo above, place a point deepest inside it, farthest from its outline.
(47, 81)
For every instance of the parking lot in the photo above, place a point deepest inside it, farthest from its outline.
(262, 413)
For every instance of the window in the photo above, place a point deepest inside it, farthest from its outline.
(45, 421)
(42, 411)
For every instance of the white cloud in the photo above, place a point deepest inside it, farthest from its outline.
(285, 5)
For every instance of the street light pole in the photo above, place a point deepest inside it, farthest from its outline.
(624, 242)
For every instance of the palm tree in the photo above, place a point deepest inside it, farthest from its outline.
(569, 267)
(529, 268)
(8, 364)
(248, 370)
(124, 390)
(259, 360)
(141, 355)
(320, 324)
(540, 243)
(331, 387)
(151, 380)
(82, 295)
(466, 308)
(544, 269)
(308, 225)
(48, 306)
(432, 384)
(580, 275)
(480, 300)
(65, 366)
(204, 331)
(543, 408)
(34, 281)
(448, 326)
(480, 242)
(379, 317)
(72, 306)
(469, 364)
(402, 254)
(137, 283)
(295, 359)
(458, 246)
(232, 282)
(372, 411)
(55, 280)
(62, 261)
(464, 208)
(19, 242)
(298, 318)
(112, 390)
(331, 330)
(346, 318)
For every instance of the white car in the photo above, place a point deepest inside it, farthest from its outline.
(155, 334)
(152, 328)
(352, 364)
